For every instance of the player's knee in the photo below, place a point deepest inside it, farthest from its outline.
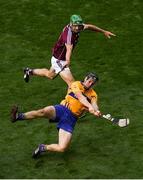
(62, 148)
(50, 75)
(47, 73)
(45, 111)
(41, 112)
(48, 111)
(69, 82)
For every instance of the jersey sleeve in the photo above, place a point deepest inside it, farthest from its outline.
(94, 95)
(75, 87)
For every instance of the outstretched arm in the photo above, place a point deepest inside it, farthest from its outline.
(97, 29)
(95, 105)
(84, 101)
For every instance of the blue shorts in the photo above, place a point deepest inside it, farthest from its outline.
(65, 118)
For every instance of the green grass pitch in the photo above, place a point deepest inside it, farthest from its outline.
(28, 30)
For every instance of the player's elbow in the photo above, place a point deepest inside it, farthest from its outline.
(62, 150)
(51, 77)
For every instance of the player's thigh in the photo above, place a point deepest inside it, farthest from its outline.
(66, 75)
(49, 112)
(64, 138)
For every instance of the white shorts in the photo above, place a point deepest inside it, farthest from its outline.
(57, 65)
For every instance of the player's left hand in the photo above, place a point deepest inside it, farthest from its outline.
(108, 34)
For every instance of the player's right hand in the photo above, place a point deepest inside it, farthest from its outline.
(91, 110)
(67, 63)
(97, 113)
(108, 34)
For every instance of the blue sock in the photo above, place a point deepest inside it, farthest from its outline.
(20, 116)
(42, 148)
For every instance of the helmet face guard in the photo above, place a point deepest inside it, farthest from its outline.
(94, 77)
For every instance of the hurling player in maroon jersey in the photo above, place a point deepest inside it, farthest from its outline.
(62, 51)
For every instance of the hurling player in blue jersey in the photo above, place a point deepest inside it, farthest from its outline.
(80, 98)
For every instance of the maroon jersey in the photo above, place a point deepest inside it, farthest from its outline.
(66, 37)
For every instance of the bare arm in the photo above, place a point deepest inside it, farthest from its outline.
(69, 48)
(84, 101)
(95, 105)
(97, 29)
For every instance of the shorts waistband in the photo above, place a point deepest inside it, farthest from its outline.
(58, 59)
